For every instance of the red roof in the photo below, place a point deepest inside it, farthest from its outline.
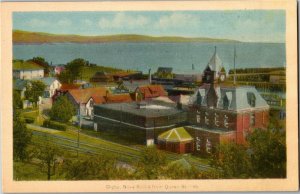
(83, 95)
(66, 87)
(118, 98)
(98, 99)
(152, 91)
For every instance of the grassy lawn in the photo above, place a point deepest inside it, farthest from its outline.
(27, 171)
(92, 143)
(87, 141)
(109, 135)
(31, 113)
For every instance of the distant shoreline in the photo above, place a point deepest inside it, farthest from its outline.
(25, 37)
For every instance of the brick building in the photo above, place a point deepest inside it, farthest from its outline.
(225, 113)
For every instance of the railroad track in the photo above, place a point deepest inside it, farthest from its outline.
(93, 149)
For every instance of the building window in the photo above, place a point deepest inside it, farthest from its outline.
(208, 146)
(225, 102)
(252, 119)
(199, 98)
(217, 119)
(206, 118)
(198, 143)
(198, 117)
(225, 121)
(251, 99)
(91, 103)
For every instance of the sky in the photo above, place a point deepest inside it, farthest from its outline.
(242, 25)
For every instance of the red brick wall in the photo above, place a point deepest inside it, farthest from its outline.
(192, 118)
(176, 147)
(228, 137)
(238, 122)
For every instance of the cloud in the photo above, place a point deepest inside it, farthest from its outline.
(122, 20)
(176, 20)
(36, 23)
(64, 22)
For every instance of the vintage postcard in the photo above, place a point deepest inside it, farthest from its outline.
(149, 96)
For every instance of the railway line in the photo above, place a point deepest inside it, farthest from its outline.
(98, 149)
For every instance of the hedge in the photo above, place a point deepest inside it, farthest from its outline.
(54, 125)
(28, 120)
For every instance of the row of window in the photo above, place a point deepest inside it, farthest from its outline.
(208, 145)
(216, 120)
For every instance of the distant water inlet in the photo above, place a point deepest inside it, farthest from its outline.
(183, 57)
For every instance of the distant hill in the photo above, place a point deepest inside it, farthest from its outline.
(25, 37)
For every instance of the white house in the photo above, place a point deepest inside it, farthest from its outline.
(27, 70)
(52, 84)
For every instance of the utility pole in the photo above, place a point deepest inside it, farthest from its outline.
(234, 76)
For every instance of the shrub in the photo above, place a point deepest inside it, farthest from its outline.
(28, 120)
(54, 125)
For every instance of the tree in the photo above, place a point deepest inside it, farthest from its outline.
(233, 160)
(152, 164)
(48, 153)
(62, 110)
(42, 62)
(34, 90)
(103, 167)
(268, 148)
(64, 77)
(17, 102)
(74, 69)
(21, 138)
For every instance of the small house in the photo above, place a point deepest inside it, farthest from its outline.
(27, 70)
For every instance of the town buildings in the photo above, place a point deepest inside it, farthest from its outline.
(214, 114)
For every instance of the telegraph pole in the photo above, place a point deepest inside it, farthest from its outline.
(234, 76)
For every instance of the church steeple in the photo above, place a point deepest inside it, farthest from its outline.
(214, 65)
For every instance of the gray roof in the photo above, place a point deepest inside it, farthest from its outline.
(215, 63)
(238, 97)
(132, 85)
(210, 130)
(20, 84)
(132, 108)
(46, 80)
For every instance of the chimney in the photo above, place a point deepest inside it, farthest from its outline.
(150, 79)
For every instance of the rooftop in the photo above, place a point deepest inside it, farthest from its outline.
(46, 80)
(149, 108)
(238, 97)
(66, 87)
(175, 135)
(83, 95)
(215, 130)
(26, 65)
(20, 84)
